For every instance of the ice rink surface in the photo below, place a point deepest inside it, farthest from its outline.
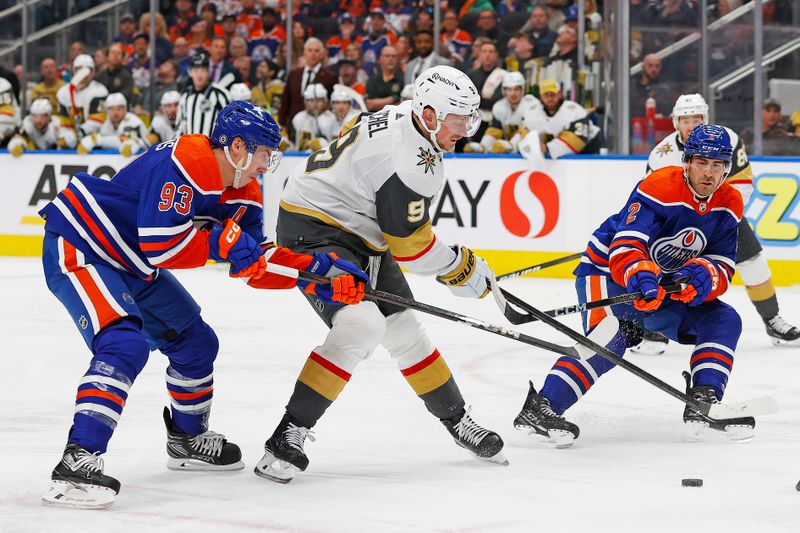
(380, 461)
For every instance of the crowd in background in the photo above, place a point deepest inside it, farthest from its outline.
(366, 53)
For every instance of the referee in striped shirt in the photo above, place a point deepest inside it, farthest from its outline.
(201, 102)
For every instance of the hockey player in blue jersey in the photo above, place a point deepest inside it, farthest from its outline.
(107, 249)
(679, 222)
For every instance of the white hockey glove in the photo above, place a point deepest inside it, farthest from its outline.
(17, 145)
(468, 276)
(87, 144)
(473, 148)
(501, 147)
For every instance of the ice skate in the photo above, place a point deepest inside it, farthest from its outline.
(781, 333)
(652, 344)
(538, 417)
(480, 442)
(736, 429)
(78, 481)
(207, 451)
(283, 452)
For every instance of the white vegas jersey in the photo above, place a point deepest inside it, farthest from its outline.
(340, 124)
(375, 182)
(164, 128)
(308, 126)
(129, 128)
(509, 120)
(47, 139)
(568, 131)
(328, 125)
(669, 152)
(9, 111)
(85, 107)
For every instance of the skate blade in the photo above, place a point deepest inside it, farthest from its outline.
(270, 467)
(67, 495)
(498, 458)
(783, 343)
(703, 432)
(197, 465)
(556, 438)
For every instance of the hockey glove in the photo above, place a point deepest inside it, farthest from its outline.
(644, 276)
(468, 276)
(347, 280)
(230, 243)
(703, 278)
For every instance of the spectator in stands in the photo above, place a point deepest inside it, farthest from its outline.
(473, 61)
(487, 27)
(127, 27)
(75, 49)
(649, 84)
(539, 27)
(488, 79)
(220, 70)
(197, 36)
(268, 90)
(163, 44)
(355, 54)
(209, 14)
(181, 24)
(385, 86)
(166, 80)
(299, 78)
(379, 35)
(523, 53)
(243, 65)
(565, 47)
(228, 25)
(423, 20)
(776, 139)
(398, 15)
(404, 50)
(100, 58)
(356, 8)
(237, 48)
(265, 46)
(555, 13)
(425, 57)
(248, 22)
(117, 76)
(348, 76)
(50, 84)
(180, 53)
(140, 62)
(347, 34)
(455, 39)
(677, 13)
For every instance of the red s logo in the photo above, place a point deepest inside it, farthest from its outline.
(529, 204)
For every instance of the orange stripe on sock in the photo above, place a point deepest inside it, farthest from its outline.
(577, 371)
(190, 395)
(101, 394)
(705, 355)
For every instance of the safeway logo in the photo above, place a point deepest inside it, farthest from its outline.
(529, 204)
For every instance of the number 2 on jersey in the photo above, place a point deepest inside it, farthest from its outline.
(180, 198)
(326, 158)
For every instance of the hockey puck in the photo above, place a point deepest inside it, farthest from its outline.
(692, 482)
(798, 486)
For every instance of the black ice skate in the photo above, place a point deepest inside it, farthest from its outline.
(652, 344)
(736, 429)
(480, 442)
(283, 452)
(207, 451)
(78, 481)
(538, 417)
(781, 333)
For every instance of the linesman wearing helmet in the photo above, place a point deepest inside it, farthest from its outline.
(122, 130)
(41, 131)
(202, 100)
(366, 197)
(689, 111)
(108, 250)
(680, 222)
(506, 129)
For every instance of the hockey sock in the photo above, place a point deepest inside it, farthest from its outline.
(318, 385)
(433, 382)
(764, 299)
(718, 330)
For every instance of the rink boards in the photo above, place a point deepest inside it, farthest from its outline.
(514, 212)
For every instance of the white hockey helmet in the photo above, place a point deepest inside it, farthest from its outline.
(240, 91)
(315, 91)
(688, 105)
(41, 106)
(83, 61)
(513, 79)
(5, 86)
(340, 95)
(116, 100)
(453, 98)
(170, 97)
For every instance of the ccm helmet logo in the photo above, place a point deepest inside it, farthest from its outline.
(529, 204)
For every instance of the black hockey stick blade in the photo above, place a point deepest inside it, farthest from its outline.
(711, 412)
(536, 268)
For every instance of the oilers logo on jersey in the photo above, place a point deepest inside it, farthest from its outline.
(671, 253)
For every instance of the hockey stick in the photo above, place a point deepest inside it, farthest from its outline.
(536, 268)
(712, 412)
(576, 352)
(517, 318)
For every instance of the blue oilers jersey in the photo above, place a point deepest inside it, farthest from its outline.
(154, 212)
(663, 222)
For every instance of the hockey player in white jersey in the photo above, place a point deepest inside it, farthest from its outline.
(506, 129)
(10, 117)
(164, 125)
(41, 131)
(691, 110)
(122, 130)
(315, 125)
(342, 106)
(366, 198)
(563, 126)
(240, 91)
(81, 100)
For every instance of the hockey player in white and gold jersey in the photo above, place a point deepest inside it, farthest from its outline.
(164, 125)
(689, 111)
(342, 98)
(41, 131)
(563, 126)
(315, 126)
(9, 112)
(122, 130)
(366, 198)
(81, 100)
(506, 129)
